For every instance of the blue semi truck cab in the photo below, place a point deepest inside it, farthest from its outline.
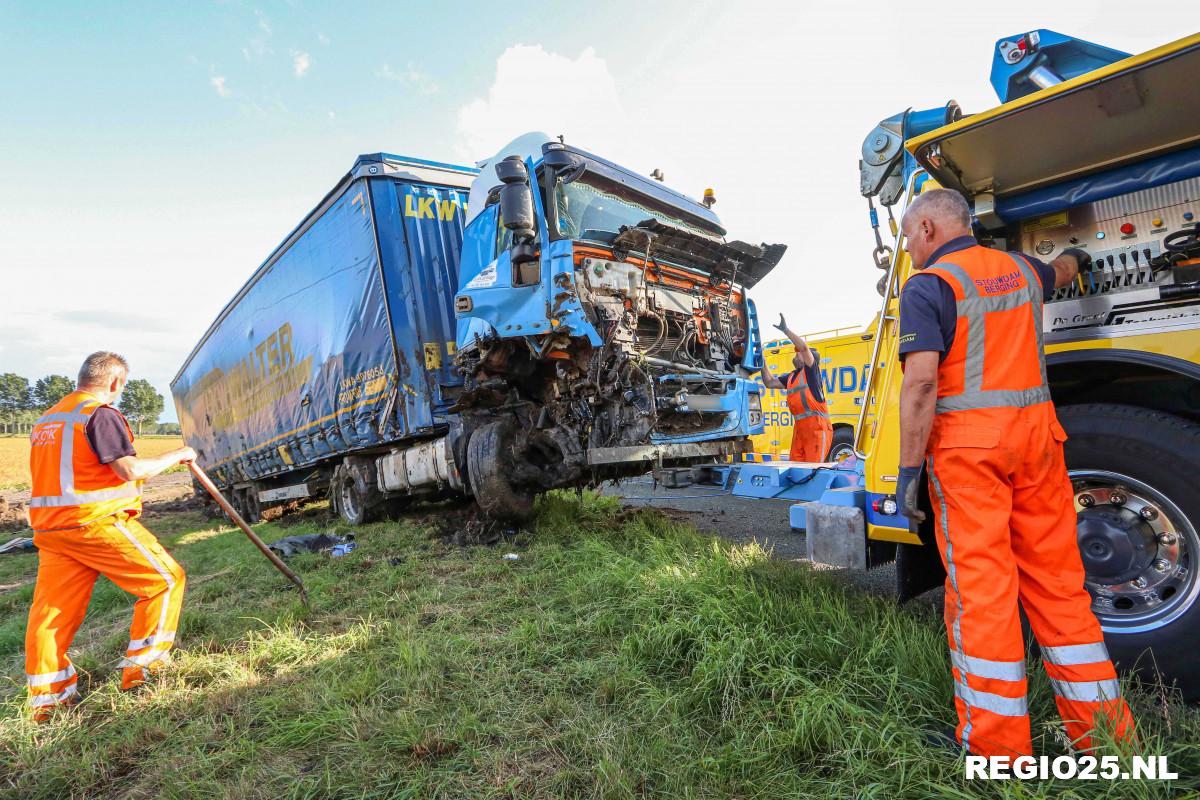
(603, 326)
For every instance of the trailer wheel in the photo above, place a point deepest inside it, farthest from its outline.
(251, 509)
(490, 462)
(843, 443)
(234, 496)
(1133, 471)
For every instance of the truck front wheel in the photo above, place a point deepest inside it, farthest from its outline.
(353, 502)
(490, 462)
(1133, 473)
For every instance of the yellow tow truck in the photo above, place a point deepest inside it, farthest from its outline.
(845, 362)
(1090, 148)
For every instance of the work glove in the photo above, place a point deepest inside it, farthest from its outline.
(782, 324)
(1082, 256)
(908, 491)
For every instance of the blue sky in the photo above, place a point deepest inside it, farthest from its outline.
(153, 154)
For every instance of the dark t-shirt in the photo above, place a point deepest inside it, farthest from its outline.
(929, 311)
(108, 436)
(812, 375)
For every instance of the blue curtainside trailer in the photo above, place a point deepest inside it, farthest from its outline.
(340, 343)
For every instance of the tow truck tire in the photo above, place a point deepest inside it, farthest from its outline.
(843, 443)
(1134, 472)
(489, 464)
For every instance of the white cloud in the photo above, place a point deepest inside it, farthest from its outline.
(518, 101)
(410, 76)
(301, 61)
(263, 23)
(332, 115)
(218, 83)
(323, 39)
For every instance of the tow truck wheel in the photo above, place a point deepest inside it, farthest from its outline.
(1133, 472)
(843, 444)
(490, 462)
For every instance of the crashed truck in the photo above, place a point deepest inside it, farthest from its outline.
(549, 320)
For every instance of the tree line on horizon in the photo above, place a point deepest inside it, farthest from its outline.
(23, 402)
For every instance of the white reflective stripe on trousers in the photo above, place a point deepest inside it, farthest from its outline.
(952, 573)
(47, 678)
(150, 641)
(145, 659)
(1087, 691)
(38, 700)
(166, 576)
(989, 701)
(987, 668)
(1070, 655)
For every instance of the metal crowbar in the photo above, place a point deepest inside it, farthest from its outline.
(212, 489)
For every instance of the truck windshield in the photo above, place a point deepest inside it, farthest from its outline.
(593, 208)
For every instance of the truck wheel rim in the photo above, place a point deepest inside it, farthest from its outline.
(348, 498)
(1139, 551)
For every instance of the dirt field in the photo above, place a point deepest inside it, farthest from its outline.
(14, 456)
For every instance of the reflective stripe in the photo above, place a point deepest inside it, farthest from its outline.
(62, 416)
(139, 644)
(994, 398)
(1068, 655)
(80, 498)
(158, 567)
(952, 572)
(39, 700)
(1088, 691)
(145, 659)
(995, 703)
(809, 414)
(47, 678)
(975, 308)
(986, 668)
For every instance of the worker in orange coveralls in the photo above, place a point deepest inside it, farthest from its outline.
(977, 411)
(87, 495)
(812, 433)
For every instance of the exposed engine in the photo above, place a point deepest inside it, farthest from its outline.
(672, 342)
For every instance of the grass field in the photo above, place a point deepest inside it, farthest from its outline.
(622, 655)
(14, 456)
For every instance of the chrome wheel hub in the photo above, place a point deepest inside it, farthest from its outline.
(1138, 549)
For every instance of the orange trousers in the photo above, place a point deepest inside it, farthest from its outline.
(69, 561)
(1005, 518)
(811, 439)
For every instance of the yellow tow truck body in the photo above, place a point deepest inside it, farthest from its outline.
(1109, 161)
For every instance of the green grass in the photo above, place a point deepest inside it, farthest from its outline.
(623, 655)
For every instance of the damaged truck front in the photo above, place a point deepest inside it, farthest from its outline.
(603, 327)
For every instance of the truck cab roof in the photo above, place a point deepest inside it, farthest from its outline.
(532, 146)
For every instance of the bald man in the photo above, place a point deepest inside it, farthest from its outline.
(975, 410)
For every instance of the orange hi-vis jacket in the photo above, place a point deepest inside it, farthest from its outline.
(1005, 521)
(812, 432)
(71, 488)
